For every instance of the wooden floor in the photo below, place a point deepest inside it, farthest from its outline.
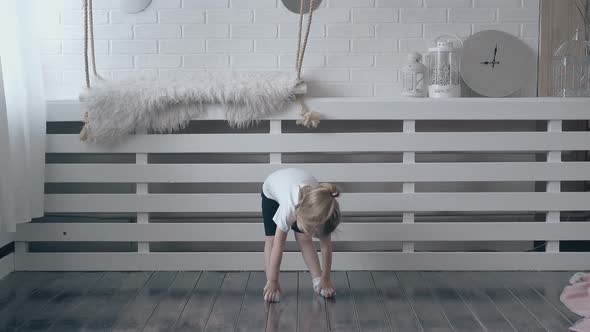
(217, 301)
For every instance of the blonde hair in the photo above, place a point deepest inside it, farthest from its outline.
(318, 212)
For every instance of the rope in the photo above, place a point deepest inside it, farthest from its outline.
(302, 46)
(89, 42)
(86, 43)
(309, 118)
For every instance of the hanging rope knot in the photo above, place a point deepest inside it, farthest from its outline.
(309, 119)
(84, 133)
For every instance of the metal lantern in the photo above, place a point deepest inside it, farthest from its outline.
(571, 68)
(413, 76)
(444, 63)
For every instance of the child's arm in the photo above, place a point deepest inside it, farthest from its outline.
(326, 286)
(272, 290)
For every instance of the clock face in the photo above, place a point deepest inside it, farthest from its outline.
(495, 63)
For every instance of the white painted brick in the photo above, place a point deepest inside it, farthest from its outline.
(349, 60)
(157, 61)
(181, 16)
(76, 17)
(277, 15)
(182, 74)
(160, 4)
(205, 31)
(374, 15)
(388, 90)
(511, 28)
(229, 45)
(394, 61)
(254, 61)
(373, 75)
(160, 31)
(50, 46)
(229, 16)
(323, 45)
(522, 15)
(253, 31)
(77, 46)
(350, 31)
(399, 3)
(134, 74)
(472, 15)
(205, 61)
(205, 3)
(435, 30)
(497, 3)
(105, 4)
(147, 16)
(415, 45)
(78, 77)
(52, 77)
(448, 3)
(325, 75)
(247, 4)
(291, 30)
(60, 62)
(530, 30)
(276, 45)
(423, 15)
(374, 45)
(313, 46)
(66, 32)
(332, 15)
(398, 30)
(181, 46)
(134, 47)
(322, 89)
(350, 3)
(114, 61)
(113, 31)
(309, 61)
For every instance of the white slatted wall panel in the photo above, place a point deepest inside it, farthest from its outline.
(408, 203)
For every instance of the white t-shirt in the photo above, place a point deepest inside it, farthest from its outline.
(283, 187)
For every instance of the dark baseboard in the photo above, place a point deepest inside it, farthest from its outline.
(6, 250)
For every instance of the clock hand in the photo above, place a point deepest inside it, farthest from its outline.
(495, 53)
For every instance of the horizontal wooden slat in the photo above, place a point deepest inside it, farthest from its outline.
(570, 261)
(402, 109)
(343, 142)
(226, 232)
(354, 202)
(379, 172)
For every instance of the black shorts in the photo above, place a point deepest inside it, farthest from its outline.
(269, 208)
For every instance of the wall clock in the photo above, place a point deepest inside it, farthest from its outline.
(495, 63)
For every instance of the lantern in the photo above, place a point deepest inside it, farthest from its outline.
(444, 62)
(413, 77)
(571, 68)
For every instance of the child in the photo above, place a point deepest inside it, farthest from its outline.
(293, 199)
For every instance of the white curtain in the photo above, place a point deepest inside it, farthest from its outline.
(22, 116)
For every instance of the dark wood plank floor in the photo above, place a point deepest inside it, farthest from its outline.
(232, 301)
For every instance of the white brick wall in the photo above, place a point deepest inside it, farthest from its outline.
(356, 47)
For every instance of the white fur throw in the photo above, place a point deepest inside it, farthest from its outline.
(118, 108)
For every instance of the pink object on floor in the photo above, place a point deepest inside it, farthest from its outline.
(576, 297)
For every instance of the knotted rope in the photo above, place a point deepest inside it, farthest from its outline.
(88, 39)
(309, 118)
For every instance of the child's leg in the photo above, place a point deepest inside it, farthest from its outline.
(267, 250)
(310, 255)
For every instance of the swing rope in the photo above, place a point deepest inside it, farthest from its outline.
(310, 119)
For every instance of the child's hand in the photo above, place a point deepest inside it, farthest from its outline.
(323, 286)
(272, 291)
